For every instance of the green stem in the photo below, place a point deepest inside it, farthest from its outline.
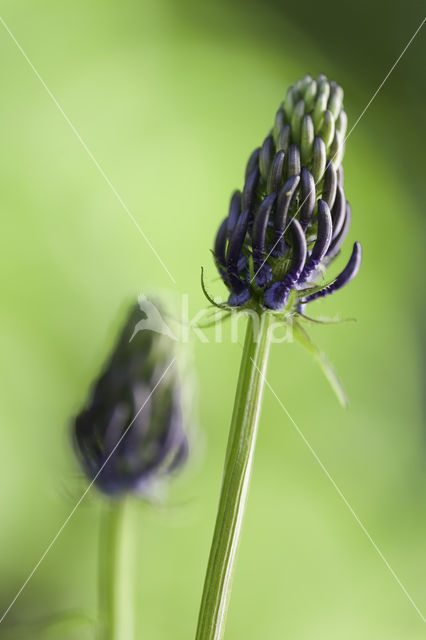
(116, 561)
(233, 497)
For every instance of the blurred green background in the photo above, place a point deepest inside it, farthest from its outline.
(171, 97)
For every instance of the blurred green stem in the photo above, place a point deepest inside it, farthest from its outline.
(233, 497)
(116, 562)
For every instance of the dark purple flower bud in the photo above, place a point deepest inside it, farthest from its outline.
(280, 223)
(130, 433)
(322, 242)
(262, 270)
(348, 274)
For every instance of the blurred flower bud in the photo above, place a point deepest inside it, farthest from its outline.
(130, 434)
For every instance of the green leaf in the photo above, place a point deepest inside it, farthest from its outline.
(302, 337)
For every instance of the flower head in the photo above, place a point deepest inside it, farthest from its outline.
(130, 433)
(290, 219)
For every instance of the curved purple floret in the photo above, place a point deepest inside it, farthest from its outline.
(291, 218)
(249, 191)
(322, 243)
(330, 185)
(337, 242)
(253, 162)
(262, 270)
(234, 211)
(307, 197)
(299, 251)
(338, 212)
(276, 173)
(348, 274)
(233, 256)
(281, 212)
(293, 160)
(220, 247)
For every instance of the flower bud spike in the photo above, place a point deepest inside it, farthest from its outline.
(306, 139)
(283, 205)
(260, 256)
(283, 139)
(262, 271)
(338, 212)
(296, 121)
(320, 159)
(267, 153)
(249, 191)
(330, 185)
(253, 162)
(341, 237)
(307, 197)
(348, 274)
(276, 173)
(322, 242)
(327, 128)
(234, 211)
(293, 161)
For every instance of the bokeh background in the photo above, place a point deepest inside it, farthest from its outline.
(171, 96)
